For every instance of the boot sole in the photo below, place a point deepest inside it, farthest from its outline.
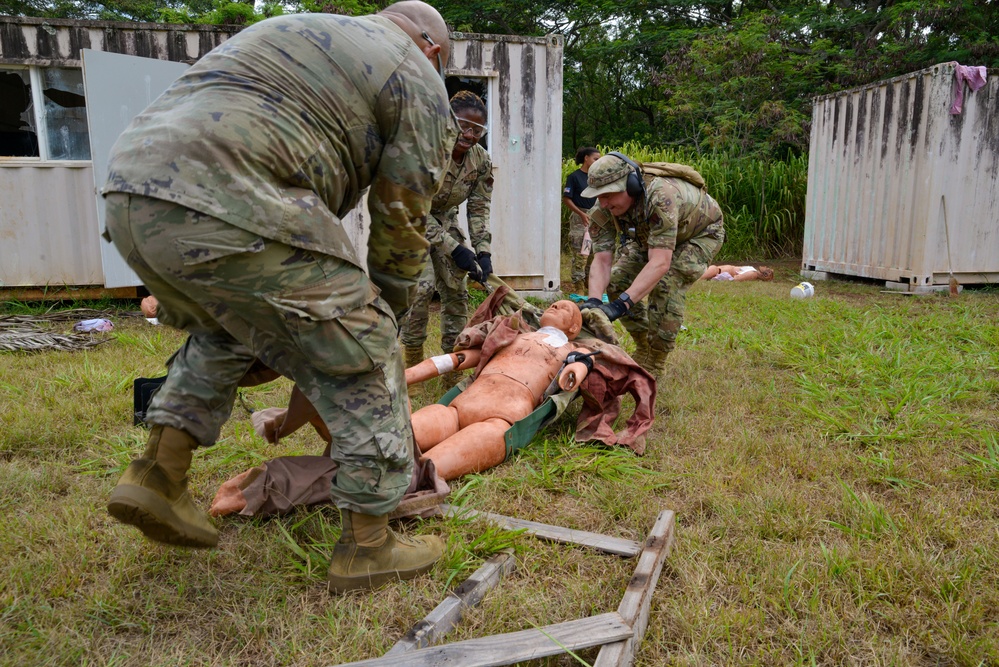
(341, 584)
(151, 514)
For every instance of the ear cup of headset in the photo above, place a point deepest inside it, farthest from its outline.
(633, 186)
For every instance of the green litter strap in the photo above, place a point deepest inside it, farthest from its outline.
(522, 432)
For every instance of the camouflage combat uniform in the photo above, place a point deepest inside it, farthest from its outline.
(580, 268)
(575, 183)
(682, 218)
(472, 180)
(226, 196)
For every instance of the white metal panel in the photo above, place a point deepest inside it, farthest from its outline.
(888, 165)
(525, 106)
(47, 222)
(525, 143)
(118, 88)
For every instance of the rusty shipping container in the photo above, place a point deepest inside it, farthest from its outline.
(900, 189)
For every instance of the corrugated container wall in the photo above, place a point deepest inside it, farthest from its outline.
(48, 219)
(49, 233)
(901, 190)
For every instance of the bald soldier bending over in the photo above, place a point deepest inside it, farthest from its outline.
(226, 196)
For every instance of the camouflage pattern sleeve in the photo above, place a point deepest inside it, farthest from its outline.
(419, 129)
(436, 235)
(603, 230)
(479, 203)
(664, 201)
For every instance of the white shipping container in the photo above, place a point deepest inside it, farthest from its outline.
(901, 190)
(48, 216)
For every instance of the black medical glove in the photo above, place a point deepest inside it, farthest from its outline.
(465, 259)
(486, 264)
(615, 309)
(590, 303)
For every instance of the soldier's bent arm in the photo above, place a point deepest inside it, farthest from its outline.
(419, 129)
(436, 235)
(603, 231)
(479, 204)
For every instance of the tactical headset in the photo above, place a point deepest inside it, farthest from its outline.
(634, 186)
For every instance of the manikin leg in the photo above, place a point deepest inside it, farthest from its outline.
(475, 448)
(432, 424)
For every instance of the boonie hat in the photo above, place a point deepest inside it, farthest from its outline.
(608, 174)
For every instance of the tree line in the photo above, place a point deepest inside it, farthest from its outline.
(732, 77)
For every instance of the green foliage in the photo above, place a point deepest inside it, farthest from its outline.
(702, 75)
(731, 77)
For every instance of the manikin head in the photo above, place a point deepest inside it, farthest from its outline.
(564, 315)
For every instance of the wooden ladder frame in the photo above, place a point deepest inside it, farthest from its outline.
(619, 633)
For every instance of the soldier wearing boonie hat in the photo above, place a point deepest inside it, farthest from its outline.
(670, 229)
(607, 175)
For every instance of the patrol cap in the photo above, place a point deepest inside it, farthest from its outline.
(608, 174)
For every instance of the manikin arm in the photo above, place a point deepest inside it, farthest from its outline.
(576, 367)
(439, 365)
(572, 376)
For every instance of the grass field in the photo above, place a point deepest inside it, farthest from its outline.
(833, 464)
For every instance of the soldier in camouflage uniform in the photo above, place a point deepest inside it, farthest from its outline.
(678, 229)
(226, 197)
(579, 219)
(469, 178)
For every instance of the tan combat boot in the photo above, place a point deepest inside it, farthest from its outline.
(641, 355)
(152, 494)
(655, 362)
(369, 554)
(413, 356)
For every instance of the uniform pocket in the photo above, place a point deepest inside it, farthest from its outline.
(216, 245)
(340, 325)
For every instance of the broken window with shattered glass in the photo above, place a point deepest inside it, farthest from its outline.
(65, 114)
(18, 135)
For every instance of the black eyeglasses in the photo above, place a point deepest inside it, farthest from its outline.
(440, 63)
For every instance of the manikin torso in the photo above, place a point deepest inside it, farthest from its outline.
(512, 383)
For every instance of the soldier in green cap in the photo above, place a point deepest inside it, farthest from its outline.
(226, 196)
(469, 179)
(678, 229)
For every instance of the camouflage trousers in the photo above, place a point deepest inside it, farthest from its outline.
(580, 263)
(444, 276)
(658, 323)
(313, 318)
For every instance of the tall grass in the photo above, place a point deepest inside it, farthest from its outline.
(763, 200)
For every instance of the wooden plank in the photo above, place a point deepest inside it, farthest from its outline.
(637, 601)
(448, 613)
(509, 649)
(64, 293)
(544, 531)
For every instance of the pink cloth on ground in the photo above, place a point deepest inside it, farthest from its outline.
(975, 75)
